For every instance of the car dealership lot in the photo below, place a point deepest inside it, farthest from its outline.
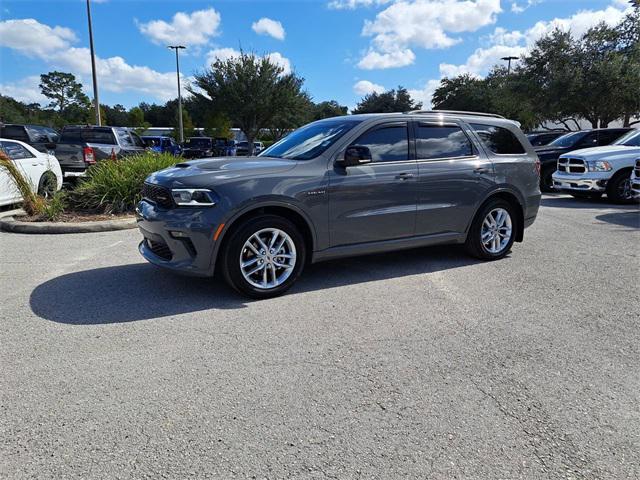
(411, 364)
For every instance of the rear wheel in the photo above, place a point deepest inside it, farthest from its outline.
(619, 187)
(48, 185)
(493, 230)
(263, 257)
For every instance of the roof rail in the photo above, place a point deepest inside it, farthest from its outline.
(457, 112)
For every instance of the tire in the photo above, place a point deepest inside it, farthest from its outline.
(586, 195)
(474, 244)
(546, 179)
(48, 185)
(619, 188)
(235, 250)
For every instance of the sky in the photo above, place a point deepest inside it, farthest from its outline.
(343, 49)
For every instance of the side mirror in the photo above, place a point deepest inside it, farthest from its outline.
(50, 146)
(355, 155)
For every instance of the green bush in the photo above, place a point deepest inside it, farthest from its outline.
(113, 186)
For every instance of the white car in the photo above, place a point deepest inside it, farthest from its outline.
(635, 179)
(42, 170)
(591, 172)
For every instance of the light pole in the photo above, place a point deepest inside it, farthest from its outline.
(181, 132)
(509, 64)
(96, 102)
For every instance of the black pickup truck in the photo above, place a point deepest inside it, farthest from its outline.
(82, 146)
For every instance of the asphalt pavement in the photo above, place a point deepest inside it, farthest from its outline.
(418, 364)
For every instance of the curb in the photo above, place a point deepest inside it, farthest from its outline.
(9, 224)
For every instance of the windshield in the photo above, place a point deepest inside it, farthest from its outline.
(629, 139)
(310, 141)
(567, 140)
(199, 143)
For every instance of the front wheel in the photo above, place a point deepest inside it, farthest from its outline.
(619, 188)
(48, 185)
(263, 257)
(493, 231)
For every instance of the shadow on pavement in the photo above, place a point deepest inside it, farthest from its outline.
(141, 291)
(625, 219)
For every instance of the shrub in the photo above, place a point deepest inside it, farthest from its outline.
(113, 186)
(30, 201)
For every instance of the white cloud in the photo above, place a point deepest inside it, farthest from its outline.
(519, 8)
(32, 38)
(25, 90)
(424, 94)
(228, 53)
(194, 28)
(424, 24)
(364, 87)
(266, 26)
(397, 58)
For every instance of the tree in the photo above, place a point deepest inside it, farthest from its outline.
(63, 90)
(187, 126)
(390, 101)
(463, 92)
(217, 125)
(328, 109)
(252, 91)
(115, 116)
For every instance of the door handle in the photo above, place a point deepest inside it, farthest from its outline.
(480, 170)
(404, 176)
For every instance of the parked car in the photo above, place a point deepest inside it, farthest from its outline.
(41, 170)
(81, 146)
(540, 139)
(569, 142)
(591, 172)
(225, 147)
(635, 180)
(198, 147)
(39, 137)
(243, 148)
(339, 187)
(160, 144)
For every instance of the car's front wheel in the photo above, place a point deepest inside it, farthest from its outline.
(619, 187)
(493, 230)
(263, 257)
(48, 185)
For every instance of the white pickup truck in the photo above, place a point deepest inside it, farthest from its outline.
(589, 173)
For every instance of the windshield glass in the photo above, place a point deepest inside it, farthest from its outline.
(199, 143)
(567, 140)
(151, 142)
(629, 139)
(311, 140)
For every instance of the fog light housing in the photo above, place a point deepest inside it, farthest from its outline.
(177, 234)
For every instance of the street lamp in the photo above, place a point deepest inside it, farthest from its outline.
(181, 131)
(96, 102)
(509, 65)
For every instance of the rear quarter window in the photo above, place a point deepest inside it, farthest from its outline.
(498, 139)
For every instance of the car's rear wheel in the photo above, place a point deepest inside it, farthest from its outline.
(493, 230)
(619, 187)
(48, 185)
(264, 256)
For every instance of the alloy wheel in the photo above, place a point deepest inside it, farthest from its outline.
(268, 258)
(496, 230)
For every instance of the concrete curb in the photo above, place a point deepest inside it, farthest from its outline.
(9, 224)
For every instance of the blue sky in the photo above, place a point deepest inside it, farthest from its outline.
(343, 48)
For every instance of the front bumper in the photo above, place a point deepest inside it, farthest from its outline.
(192, 252)
(591, 182)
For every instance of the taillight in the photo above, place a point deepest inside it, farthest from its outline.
(89, 158)
(537, 166)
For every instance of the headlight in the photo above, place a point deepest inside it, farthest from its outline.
(599, 166)
(193, 197)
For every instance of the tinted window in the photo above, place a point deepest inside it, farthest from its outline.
(124, 138)
(497, 139)
(589, 140)
(434, 141)
(137, 141)
(387, 144)
(568, 139)
(199, 143)
(88, 135)
(38, 134)
(309, 141)
(16, 132)
(53, 135)
(606, 137)
(15, 151)
(630, 139)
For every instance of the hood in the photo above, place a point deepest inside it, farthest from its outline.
(610, 151)
(211, 171)
(546, 149)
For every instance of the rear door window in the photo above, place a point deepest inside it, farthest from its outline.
(16, 132)
(387, 143)
(607, 137)
(15, 151)
(437, 141)
(498, 139)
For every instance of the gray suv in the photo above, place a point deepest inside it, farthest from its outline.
(339, 187)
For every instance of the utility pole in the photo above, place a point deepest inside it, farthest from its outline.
(508, 59)
(181, 130)
(96, 102)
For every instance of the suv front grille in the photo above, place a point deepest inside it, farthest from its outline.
(571, 165)
(637, 169)
(161, 196)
